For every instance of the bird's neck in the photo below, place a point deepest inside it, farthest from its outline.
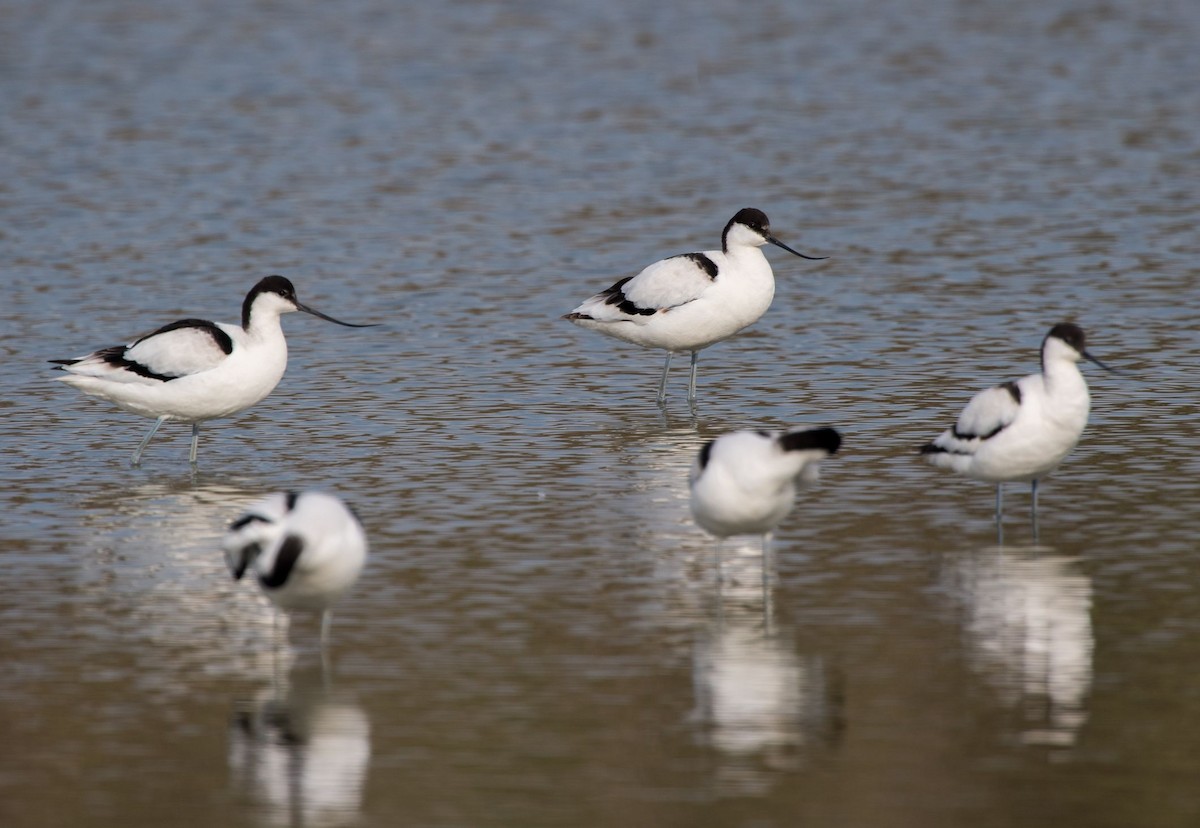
(263, 326)
(1063, 377)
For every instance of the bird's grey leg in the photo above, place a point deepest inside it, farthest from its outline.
(195, 442)
(326, 622)
(1033, 509)
(999, 502)
(277, 671)
(768, 567)
(137, 455)
(662, 383)
(692, 381)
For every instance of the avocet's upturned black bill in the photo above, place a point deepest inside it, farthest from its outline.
(1020, 431)
(691, 301)
(193, 370)
(305, 550)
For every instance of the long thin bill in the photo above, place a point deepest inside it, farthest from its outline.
(328, 318)
(1091, 358)
(778, 243)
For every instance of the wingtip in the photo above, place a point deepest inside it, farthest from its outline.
(826, 439)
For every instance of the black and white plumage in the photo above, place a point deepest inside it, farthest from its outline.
(745, 482)
(195, 370)
(304, 549)
(691, 301)
(1021, 431)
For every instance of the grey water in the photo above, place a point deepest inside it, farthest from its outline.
(542, 635)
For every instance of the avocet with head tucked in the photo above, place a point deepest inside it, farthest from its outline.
(1020, 431)
(744, 482)
(691, 301)
(305, 549)
(194, 370)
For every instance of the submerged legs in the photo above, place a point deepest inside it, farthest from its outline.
(662, 383)
(195, 442)
(692, 381)
(1033, 509)
(326, 622)
(137, 455)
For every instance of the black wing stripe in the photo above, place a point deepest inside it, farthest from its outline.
(616, 296)
(246, 520)
(221, 339)
(285, 560)
(115, 356)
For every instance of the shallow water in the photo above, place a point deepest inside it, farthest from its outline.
(542, 636)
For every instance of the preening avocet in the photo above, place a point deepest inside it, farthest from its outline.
(744, 482)
(194, 370)
(305, 549)
(691, 301)
(1020, 431)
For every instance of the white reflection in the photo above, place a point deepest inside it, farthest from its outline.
(654, 455)
(160, 580)
(765, 708)
(1029, 627)
(302, 758)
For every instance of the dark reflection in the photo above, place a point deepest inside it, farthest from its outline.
(1028, 628)
(765, 708)
(301, 755)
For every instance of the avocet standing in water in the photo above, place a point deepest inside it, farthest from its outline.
(1020, 431)
(744, 482)
(691, 301)
(305, 549)
(194, 370)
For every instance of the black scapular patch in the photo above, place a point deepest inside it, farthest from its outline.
(285, 560)
(1013, 390)
(701, 261)
(705, 453)
(825, 439)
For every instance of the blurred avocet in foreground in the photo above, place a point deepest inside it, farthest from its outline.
(305, 550)
(744, 482)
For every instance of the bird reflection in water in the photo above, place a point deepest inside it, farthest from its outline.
(302, 755)
(765, 708)
(1028, 626)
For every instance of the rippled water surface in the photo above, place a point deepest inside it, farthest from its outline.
(542, 636)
